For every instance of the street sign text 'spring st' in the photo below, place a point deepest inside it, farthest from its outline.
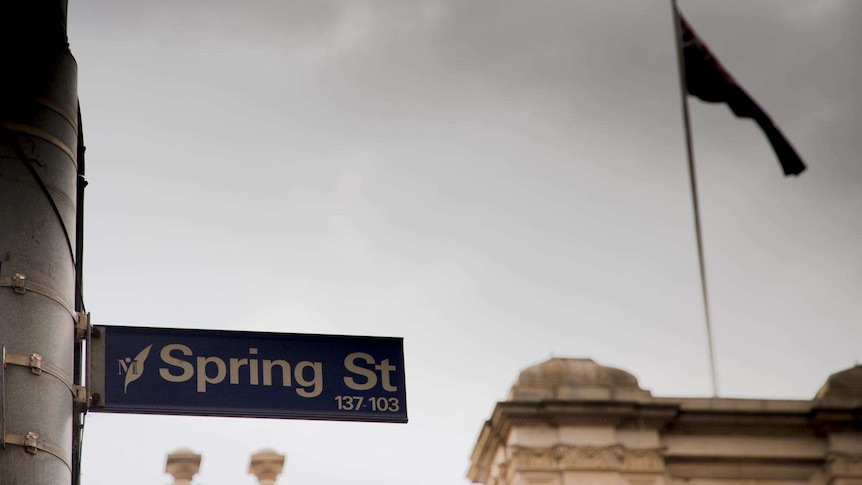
(221, 373)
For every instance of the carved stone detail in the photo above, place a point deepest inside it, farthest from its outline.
(644, 461)
(584, 457)
(643, 481)
(590, 457)
(844, 465)
(533, 458)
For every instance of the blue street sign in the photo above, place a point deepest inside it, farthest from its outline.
(247, 374)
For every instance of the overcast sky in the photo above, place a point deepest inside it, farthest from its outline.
(498, 182)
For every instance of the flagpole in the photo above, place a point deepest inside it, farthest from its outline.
(694, 198)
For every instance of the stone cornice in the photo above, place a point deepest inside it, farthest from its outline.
(740, 423)
(558, 413)
(825, 420)
(508, 414)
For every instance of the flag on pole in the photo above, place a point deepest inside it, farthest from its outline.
(707, 79)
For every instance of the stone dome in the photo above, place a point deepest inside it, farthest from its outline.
(844, 386)
(575, 379)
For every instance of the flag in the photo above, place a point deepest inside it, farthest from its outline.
(707, 79)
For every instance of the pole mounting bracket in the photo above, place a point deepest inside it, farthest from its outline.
(82, 326)
(32, 445)
(21, 285)
(82, 398)
(37, 366)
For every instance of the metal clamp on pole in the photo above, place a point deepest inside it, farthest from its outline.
(19, 283)
(32, 445)
(37, 366)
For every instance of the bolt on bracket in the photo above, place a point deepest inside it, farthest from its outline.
(36, 364)
(31, 443)
(19, 283)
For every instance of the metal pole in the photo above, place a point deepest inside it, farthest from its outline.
(38, 172)
(693, 181)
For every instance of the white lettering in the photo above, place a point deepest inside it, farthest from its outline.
(252, 370)
(212, 370)
(316, 378)
(267, 372)
(235, 365)
(204, 378)
(385, 369)
(368, 374)
(188, 370)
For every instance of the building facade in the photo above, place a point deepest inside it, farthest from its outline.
(575, 422)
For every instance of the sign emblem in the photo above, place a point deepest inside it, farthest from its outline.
(133, 368)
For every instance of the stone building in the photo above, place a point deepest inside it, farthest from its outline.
(575, 422)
